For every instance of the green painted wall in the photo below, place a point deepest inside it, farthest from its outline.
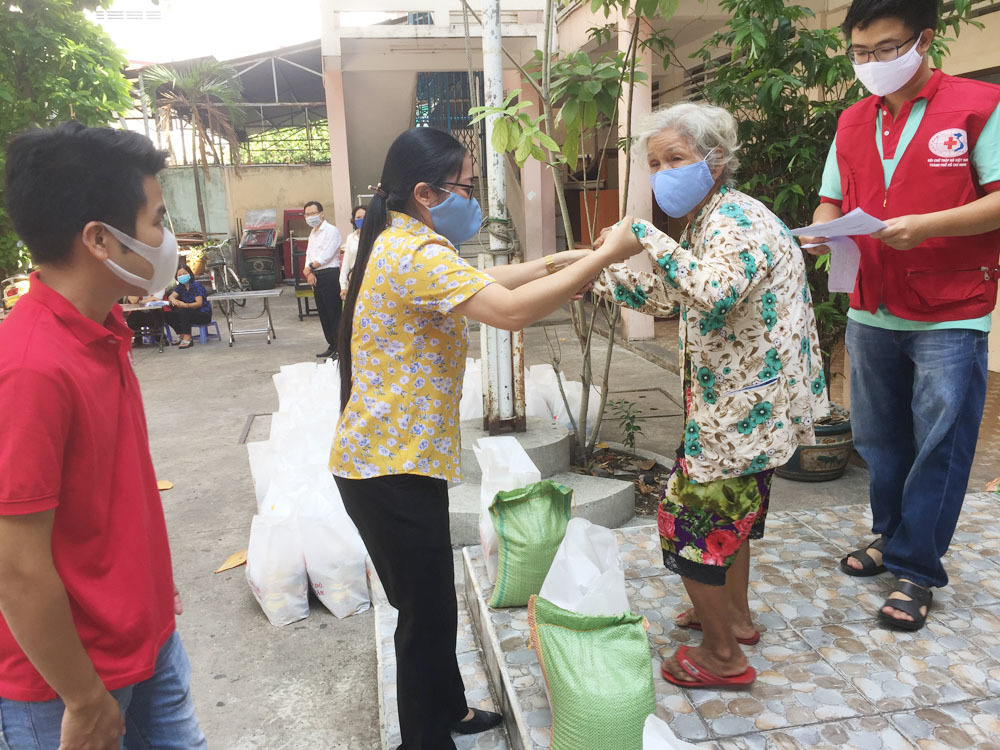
(179, 194)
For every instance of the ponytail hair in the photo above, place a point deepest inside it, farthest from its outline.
(417, 155)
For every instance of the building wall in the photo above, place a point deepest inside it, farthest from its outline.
(179, 196)
(280, 188)
(378, 107)
(229, 195)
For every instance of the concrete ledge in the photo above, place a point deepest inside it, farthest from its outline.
(607, 502)
(547, 445)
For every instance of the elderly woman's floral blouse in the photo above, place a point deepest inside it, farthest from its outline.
(747, 334)
(408, 358)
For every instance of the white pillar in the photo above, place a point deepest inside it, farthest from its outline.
(502, 351)
(640, 201)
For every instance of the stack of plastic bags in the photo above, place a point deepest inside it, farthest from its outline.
(302, 537)
(541, 395)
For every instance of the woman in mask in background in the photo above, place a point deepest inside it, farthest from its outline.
(403, 342)
(753, 376)
(351, 249)
(189, 306)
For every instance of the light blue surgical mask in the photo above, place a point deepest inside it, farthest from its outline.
(184, 278)
(359, 222)
(679, 190)
(457, 218)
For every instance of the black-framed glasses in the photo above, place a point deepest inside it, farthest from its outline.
(881, 54)
(467, 187)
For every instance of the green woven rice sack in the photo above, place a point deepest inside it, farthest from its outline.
(530, 523)
(599, 673)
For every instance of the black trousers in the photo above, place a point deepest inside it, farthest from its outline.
(328, 304)
(403, 520)
(181, 320)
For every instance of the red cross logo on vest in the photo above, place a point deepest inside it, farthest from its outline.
(949, 143)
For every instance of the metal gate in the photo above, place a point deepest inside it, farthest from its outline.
(443, 102)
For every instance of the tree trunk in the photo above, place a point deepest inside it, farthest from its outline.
(197, 185)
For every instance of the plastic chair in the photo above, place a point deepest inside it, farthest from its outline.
(203, 330)
(204, 335)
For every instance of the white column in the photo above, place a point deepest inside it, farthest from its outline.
(502, 351)
(640, 202)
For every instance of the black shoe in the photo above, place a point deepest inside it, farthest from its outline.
(481, 721)
(330, 352)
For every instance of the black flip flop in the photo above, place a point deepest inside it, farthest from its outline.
(919, 597)
(868, 567)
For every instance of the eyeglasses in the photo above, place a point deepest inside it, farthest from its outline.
(882, 54)
(468, 188)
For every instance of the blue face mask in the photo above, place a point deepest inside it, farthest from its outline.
(358, 222)
(457, 218)
(183, 278)
(679, 190)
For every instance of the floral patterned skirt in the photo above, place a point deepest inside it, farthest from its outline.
(702, 526)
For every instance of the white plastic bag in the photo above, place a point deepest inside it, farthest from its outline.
(471, 405)
(505, 466)
(574, 394)
(276, 569)
(587, 575)
(261, 456)
(335, 561)
(657, 735)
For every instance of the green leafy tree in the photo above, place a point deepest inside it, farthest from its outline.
(207, 93)
(55, 65)
(580, 97)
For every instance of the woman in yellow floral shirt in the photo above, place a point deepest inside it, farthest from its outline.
(403, 343)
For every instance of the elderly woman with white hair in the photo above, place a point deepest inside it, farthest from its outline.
(753, 376)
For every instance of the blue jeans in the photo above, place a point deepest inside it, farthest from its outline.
(159, 712)
(916, 403)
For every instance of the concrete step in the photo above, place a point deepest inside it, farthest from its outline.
(470, 661)
(607, 502)
(546, 444)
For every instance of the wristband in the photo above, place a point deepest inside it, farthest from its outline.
(550, 265)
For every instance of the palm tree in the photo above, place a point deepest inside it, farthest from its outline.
(207, 93)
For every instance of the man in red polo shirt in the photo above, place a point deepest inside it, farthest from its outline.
(88, 650)
(922, 154)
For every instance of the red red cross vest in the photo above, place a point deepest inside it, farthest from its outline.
(944, 278)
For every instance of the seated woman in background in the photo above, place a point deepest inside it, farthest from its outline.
(189, 305)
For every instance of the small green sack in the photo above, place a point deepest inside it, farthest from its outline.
(599, 674)
(530, 523)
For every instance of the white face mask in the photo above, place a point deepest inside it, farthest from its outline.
(315, 220)
(884, 78)
(162, 258)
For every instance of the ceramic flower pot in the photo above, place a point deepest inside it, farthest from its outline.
(827, 459)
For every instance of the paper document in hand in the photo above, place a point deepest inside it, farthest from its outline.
(845, 258)
(854, 223)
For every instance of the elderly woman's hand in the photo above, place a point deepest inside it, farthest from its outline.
(620, 243)
(602, 236)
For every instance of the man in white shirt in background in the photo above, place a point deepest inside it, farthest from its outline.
(323, 272)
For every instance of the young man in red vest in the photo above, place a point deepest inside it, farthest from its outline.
(88, 647)
(922, 154)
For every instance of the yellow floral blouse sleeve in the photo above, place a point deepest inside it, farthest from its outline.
(440, 279)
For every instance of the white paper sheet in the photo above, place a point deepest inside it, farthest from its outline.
(845, 259)
(853, 223)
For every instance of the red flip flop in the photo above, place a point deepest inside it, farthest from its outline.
(751, 641)
(702, 678)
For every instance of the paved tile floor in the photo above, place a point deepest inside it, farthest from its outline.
(828, 675)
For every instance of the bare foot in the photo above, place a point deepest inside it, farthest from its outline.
(742, 624)
(873, 553)
(722, 667)
(898, 614)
